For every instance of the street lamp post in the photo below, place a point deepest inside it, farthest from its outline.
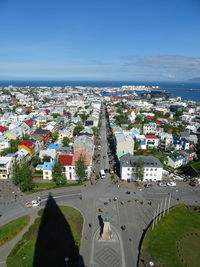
(67, 261)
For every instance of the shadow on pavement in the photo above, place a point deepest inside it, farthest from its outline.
(55, 245)
(101, 224)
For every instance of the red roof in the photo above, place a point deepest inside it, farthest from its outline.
(29, 122)
(3, 129)
(28, 144)
(88, 157)
(151, 136)
(150, 117)
(66, 160)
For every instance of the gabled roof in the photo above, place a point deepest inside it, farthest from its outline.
(41, 131)
(88, 157)
(28, 144)
(65, 160)
(29, 122)
(3, 129)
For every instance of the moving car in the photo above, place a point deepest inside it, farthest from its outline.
(33, 203)
(171, 184)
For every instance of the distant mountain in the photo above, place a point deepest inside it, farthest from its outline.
(195, 80)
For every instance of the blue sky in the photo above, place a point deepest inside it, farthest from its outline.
(149, 40)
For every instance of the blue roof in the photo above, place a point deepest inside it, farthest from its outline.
(48, 166)
(54, 146)
(178, 141)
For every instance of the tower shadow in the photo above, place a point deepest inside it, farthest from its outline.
(101, 224)
(55, 245)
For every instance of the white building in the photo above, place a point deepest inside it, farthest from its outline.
(151, 128)
(152, 168)
(6, 166)
(4, 143)
(124, 142)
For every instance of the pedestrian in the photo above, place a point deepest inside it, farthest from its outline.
(90, 225)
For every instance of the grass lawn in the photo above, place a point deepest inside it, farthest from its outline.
(195, 165)
(10, 230)
(46, 186)
(62, 230)
(176, 238)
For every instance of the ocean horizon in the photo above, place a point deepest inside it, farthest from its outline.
(173, 86)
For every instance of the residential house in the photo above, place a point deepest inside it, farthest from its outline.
(4, 142)
(152, 168)
(181, 143)
(47, 153)
(6, 166)
(85, 143)
(151, 128)
(152, 141)
(3, 130)
(124, 142)
(142, 141)
(15, 133)
(166, 140)
(28, 146)
(175, 160)
(45, 134)
(69, 164)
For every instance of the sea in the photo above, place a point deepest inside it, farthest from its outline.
(182, 89)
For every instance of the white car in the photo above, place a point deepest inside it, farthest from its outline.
(33, 203)
(171, 184)
(162, 184)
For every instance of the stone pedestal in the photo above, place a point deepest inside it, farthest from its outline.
(107, 233)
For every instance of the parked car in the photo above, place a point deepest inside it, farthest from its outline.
(148, 185)
(194, 182)
(171, 184)
(162, 184)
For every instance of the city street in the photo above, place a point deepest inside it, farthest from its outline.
(133, 211)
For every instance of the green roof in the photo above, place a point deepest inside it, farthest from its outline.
(120, 154)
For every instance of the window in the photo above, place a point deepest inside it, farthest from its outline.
(70, 168)
(146, 174)
(128, 169)
(155, 169)
(147, 169)
(150, 174)
(151, 169)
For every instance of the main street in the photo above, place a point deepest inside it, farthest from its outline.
(132, 210)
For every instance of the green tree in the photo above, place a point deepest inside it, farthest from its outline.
(79, 127)
(58, 177)
(54, 136)
(22, 176)
(140, 170)
(136, 145)
(46, 159)
(81, 168)
(35, 160)
(66, 140)
(84, 117)
(55, 115)
(95, 130)
(16, 178)
(26, 183)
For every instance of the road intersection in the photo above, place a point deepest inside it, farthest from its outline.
(132, 210)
